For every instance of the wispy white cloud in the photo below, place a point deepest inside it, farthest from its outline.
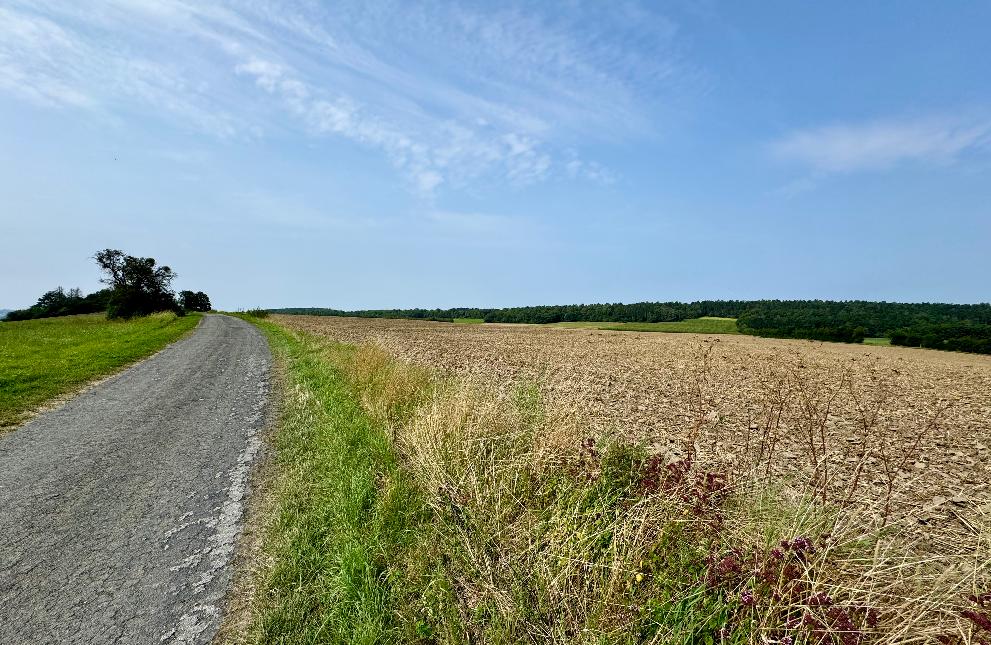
(448, 94)
(30, 50)
(880, 145)
(51, 61)
(589, 170)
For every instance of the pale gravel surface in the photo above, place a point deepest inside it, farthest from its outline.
(120, 511)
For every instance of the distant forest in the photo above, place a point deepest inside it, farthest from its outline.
(964, 328)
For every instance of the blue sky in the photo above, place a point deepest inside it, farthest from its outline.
(379, 154)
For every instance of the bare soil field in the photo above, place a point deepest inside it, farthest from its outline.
(905, 431)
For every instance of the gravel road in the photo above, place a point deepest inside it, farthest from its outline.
(119, 511)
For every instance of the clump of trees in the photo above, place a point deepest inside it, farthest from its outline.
(59, 302)
(194, 301)
(138, 285)
(959, 337)
(135, 287)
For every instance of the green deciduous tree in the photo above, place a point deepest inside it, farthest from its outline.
(194, 301)
(139, 286)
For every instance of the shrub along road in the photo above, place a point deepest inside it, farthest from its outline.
(119, 511)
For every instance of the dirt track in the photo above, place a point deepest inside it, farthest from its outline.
(642, 385)
(119, 510)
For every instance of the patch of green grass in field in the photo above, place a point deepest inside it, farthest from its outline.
(877, 341)
(469, 321)
(41, 359)
(704, 325)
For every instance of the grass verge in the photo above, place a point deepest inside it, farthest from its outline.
(705, 325)
(413, 508)
(346, 513)
(42, 359)
(469, 321)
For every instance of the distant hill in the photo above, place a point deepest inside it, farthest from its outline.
(4, 312)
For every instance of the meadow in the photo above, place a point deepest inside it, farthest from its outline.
(878, 342)
(497, 484)
(49, 357)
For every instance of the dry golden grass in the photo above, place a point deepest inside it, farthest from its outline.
(880, 448)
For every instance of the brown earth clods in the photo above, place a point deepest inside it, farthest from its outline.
(925, 414)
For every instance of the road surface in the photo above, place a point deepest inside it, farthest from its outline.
(119, 511)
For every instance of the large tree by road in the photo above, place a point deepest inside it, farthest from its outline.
(139, 286)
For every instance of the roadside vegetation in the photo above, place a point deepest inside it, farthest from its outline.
(421, 508)
(704, 325)
(257, 312)
(42, 359)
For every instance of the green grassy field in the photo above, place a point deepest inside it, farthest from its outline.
(469, 321)
(877, 341)
(705, 325)
(41, 359)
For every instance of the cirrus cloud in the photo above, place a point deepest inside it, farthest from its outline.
(882, 144)
(447, 93)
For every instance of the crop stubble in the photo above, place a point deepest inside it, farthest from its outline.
(643, 386)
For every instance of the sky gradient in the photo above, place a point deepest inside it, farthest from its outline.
(379, 154)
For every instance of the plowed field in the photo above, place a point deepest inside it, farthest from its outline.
(859, 418)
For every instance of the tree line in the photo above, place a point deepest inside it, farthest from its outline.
(59, 302)
(614, 312)
(135, 287)
(438, 315)
(637, 312)
(954, 336)
(935, 325)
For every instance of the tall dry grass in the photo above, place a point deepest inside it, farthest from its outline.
(543, 532)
